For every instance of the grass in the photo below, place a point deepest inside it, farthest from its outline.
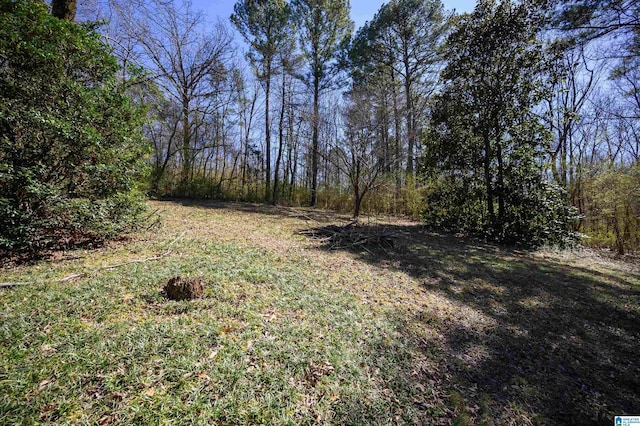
(438, 330)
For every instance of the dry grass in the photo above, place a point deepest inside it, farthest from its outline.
(435, 330)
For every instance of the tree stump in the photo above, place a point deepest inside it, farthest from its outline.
(180, 288)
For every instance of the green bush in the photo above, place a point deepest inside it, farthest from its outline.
(537, 212)
(71, 152)
(453, 205)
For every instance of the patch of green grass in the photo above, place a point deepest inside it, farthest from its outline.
(437, 331)
(268, 344)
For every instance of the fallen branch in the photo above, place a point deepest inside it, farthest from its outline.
(2, 285)
(353, 235)
(83, 274)
(148, 259)
(179, 237)
(117, 265)
(70, 277)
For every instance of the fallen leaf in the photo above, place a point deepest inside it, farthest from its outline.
(127, 297)
(118, 396)
(150, 392)
(204, 376)
(46, 411)
(94, 393)
(48, 349)
(45, 382)
(105, 420)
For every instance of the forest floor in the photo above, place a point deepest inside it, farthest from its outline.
(301, 325)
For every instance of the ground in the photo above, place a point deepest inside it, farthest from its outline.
(300, 327)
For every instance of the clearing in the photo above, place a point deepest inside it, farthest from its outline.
(308, 321)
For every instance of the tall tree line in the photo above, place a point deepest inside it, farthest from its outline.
(470, 121)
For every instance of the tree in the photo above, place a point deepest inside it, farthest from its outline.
(161, 129)
(361, 158)
(187, 61)
(572, 81)
(371, 64)
(266, 26)
(486, 137)
(614, 22)
(70, 145)
(593, 19)
(407, 35)
(324, 27)
(288, 62)
(614, 207)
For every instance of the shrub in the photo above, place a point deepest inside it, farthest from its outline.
(71, 152)
(537, 212)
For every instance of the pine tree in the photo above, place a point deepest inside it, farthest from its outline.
(324, 27)
(267, 27)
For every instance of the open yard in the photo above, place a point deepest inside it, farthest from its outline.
(301, 326)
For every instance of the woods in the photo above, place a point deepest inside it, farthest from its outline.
(516, 122)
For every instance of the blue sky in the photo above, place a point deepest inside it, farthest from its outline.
(361, 10)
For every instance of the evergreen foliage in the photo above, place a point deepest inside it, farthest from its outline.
(70, 145)
(485, 150)
(325, 29)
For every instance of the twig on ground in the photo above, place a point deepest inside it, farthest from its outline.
(148, 259)
(13, 284)
(70, 277)
(179, 237)
(83, 274)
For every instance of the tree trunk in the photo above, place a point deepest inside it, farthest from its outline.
(487, 177)
(280, 141)
(288, 179)
(64, 9)
(267, 130)
(500, 181)
(396, 118)
(314, 141)
(357, 204)
(247, 134)
(501, 192)
(357, 196)
(186, 146)
(411, 132)
(294, 171)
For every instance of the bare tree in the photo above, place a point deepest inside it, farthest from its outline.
(573, 80)
(186, 57)
(359, 156)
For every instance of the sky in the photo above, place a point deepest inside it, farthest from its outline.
(361, 10)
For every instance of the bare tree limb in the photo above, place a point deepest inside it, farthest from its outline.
(83, 274)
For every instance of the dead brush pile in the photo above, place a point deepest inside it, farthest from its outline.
(353, 235)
